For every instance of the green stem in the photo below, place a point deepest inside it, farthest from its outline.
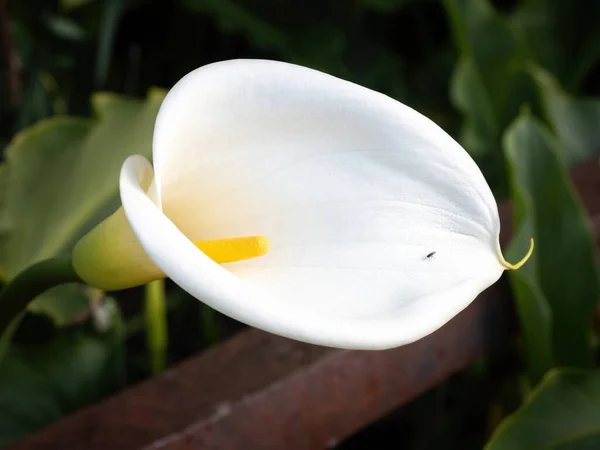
(155, 311)
(210, 328)
(32, 282)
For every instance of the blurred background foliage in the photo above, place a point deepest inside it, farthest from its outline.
(517, 82)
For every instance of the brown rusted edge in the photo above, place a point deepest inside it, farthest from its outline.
(259, 391)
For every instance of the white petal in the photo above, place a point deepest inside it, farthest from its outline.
(239, 298)
(353, 189)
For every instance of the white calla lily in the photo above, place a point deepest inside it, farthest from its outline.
(381, 227)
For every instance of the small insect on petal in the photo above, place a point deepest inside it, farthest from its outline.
(430, 256)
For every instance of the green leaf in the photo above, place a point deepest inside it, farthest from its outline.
(576, 121)
(490, 82)
(40, 384)
(62, 174)
(63, 304)
(531, 303)
(69, 5)
(563, 36)
(563, 267)
(66, 28)
(4, 222)
(6, 337)
(235, 17)
(563, 413)
(468, 93)
(480, 132)
(385, 6)
(495, 55)
(493, 65)
(108, 30)
(38, 100)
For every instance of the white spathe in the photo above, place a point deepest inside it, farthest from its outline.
(353, 189)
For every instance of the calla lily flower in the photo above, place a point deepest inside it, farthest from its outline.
(303, 205)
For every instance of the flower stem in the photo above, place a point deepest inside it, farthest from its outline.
(30, 283)
(209, 328)
(155, 312)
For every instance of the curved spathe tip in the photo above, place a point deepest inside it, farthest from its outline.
(519, 264)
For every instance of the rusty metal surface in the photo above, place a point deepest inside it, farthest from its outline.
(345, 390)
(259, 391)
